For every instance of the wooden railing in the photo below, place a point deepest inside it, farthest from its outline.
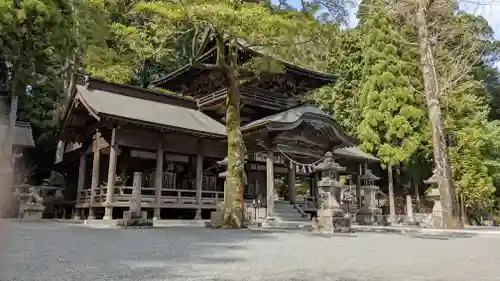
(256, 96)
(169, 193)
(123, 194)
(215, 96)
(263, 98)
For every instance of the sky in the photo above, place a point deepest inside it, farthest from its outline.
(489, 9)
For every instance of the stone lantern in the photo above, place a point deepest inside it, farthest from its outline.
(330, 218)
(432, 194)
(367, 212)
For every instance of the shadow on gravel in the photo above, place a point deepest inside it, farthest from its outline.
(85, 254)
(440, 236)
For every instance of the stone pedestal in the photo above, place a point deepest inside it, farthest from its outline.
(77, 216)
(197, 216)
(330, 218)
(436, 219)
(366, 215)
(323, 222)
(135, 217)
(32, 215)
(410, 217)
(32, 209)
(108, 213)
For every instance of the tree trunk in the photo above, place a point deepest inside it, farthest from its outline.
(71, 74)
(417, 195)
(451, 218)
(392, 208)
(233, 207)
(9, 134)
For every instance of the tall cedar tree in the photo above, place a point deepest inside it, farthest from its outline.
(393, 119)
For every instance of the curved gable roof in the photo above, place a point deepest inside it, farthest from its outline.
(294, 117)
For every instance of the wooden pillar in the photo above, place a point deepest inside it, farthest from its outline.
(292, 190)
(158, 178)
(82, 169)
(95, 175)
(110, 186)
(199, 180)
(358, 186)
(270, 184)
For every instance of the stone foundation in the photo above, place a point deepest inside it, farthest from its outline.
(331, 221)
(365, 217)
(31, 215)
(131, 220)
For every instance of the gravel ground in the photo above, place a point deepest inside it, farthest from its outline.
(54, 251)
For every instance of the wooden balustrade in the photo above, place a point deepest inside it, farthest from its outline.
(177, 197)
(254, 95)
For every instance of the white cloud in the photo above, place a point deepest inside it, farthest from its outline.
(489, 9)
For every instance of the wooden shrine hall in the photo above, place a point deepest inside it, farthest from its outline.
(109, 131)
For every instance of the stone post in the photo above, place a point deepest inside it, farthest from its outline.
(110, 185)
(136, 200)
(158, 179)
(410, 218)
(270, 184)
(82, 169)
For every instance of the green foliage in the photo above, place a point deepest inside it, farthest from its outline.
(474, 147)
(341, 99)
(32, 35)
(393, 117)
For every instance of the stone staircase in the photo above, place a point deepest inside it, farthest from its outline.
(287, 217)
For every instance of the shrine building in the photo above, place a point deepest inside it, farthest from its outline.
(109, 131)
